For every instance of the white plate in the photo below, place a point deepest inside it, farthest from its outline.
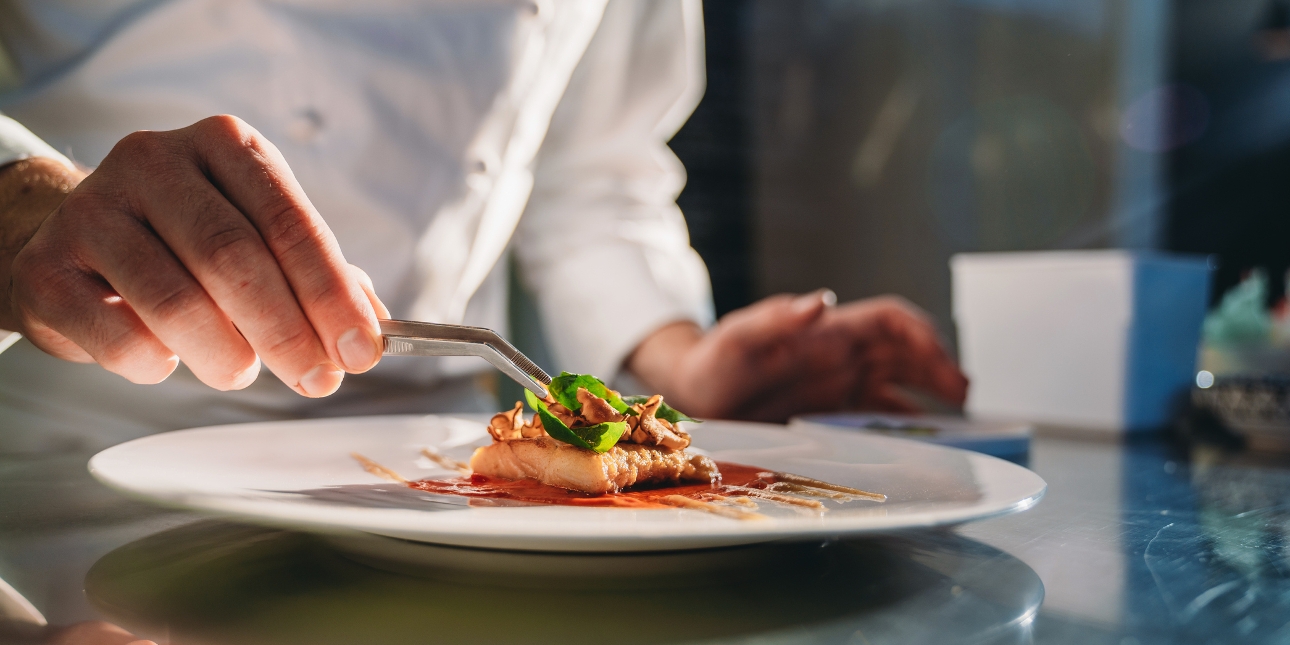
(299, 474)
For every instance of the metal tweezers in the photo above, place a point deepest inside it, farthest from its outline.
(408, 338)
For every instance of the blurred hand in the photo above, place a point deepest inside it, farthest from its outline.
(93, 633)
(789, 355)
(195, 244)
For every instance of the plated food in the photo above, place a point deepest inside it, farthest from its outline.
(586, 437)
(587, 445)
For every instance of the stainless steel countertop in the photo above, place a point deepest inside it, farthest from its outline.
(1143, 542)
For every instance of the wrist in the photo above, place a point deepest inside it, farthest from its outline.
(30, 191)
(657, 360)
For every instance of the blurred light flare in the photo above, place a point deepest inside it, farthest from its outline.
(1165, 118)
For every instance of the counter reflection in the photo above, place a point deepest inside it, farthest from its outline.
(217, 582)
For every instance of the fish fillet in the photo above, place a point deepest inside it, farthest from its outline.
(559, 464)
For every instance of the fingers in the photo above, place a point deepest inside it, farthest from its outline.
(198, 241)
(92, 320)
(228, 259)
(254, 176)
(255, 246)
(926, 364)
(174, 306)
(899, 344)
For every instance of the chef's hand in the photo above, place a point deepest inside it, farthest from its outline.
(93, 633)
(195, 244)
(789, 355)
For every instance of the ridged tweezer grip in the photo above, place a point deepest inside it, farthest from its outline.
(408, 338)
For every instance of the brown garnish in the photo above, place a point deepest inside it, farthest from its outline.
(566, 416)
(377, 469)
(817, 484)
(595, 409)
(446, 462)
(505, 426)
(708, 507)
(533, 429)
(786, 487)
(649, 430)
(777, 497)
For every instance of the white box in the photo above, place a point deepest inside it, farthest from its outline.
(1102, 340)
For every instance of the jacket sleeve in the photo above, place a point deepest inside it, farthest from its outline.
(602, 244)
(18, 143)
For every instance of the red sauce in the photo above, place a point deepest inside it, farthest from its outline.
(533, 492)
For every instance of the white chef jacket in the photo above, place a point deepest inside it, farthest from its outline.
(428, 133)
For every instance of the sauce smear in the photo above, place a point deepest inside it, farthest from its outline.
(534, 492)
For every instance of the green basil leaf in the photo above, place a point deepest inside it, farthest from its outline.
(559, 431)
(665, 411)
(602, 436)
(564, 389)
(534, 403)
(599, 438)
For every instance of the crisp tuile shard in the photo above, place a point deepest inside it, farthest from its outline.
(445, 461)
(377, 469)
(815, 483)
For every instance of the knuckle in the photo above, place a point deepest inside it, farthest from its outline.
(233, 133)
(293, 340)
(325, 292)
(81, 205)
(143, 144)
(301, 246)
(184, 303)
(142, 158)
(228, 250)
(288, 226)
(225, 127)
(28, 267)
(35, 276)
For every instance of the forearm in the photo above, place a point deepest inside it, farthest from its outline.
(29, 191)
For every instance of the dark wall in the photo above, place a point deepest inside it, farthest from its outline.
(714, 147)
(1230, 187)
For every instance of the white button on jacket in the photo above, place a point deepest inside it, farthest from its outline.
(432, 135)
